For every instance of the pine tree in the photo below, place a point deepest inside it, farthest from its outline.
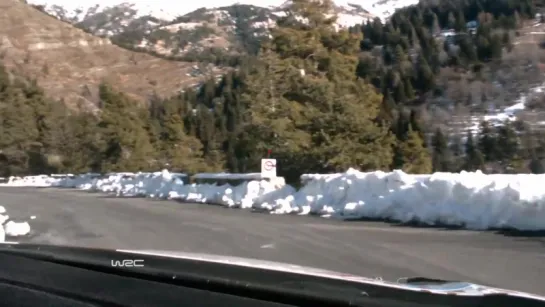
(536, 166)
(507, 141)
(400, 56)
(487, 143)
(125, 142)
(324, 119)
(154, 114)
(50, 117)
(460, 24)
(416, 158)
(416, 126)
(19, 130)
(83, 152)
(214, 148)
(400, 129)
(457, 150)
(409, 90)
(424, 75)
(474, 159)
(399, 92)
(401, 125)
(179, 152)
(451, 20)
(435, 28)
(441, 155)
(508, 147)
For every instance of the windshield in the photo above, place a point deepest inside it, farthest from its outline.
(353, 138)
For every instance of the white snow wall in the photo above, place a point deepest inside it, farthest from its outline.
(473, 200)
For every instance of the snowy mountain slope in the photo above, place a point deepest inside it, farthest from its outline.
(77, 11)
(385, 8)
(178, 28)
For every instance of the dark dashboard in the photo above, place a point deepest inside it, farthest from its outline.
(34, 275)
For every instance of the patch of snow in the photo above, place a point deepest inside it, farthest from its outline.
(182, 26)
(384, 8)
(11, 228)
(348, 20)
(15, 229)
(516, 107)
(507, 114)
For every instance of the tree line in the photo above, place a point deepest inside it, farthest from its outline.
(303, 98)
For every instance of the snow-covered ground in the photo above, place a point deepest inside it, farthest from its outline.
(473, 200)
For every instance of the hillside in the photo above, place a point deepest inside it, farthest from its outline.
(484, 61)
(69, 63)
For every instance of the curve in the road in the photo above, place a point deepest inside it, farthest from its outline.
(371, 249)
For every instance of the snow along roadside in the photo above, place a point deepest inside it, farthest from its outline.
(470, 199)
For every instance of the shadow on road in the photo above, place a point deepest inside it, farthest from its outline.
(115, 196)
(508, 232)
(412, 224)
(521, 233)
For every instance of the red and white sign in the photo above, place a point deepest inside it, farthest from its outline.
(268, 168)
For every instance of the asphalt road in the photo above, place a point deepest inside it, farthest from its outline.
(372, 249)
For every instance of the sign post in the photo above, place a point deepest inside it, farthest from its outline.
(268, 168)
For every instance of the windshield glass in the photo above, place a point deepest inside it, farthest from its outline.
(354, 138)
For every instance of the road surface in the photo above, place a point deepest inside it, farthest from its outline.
(372, 249)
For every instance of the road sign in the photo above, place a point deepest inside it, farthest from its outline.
(268, 168)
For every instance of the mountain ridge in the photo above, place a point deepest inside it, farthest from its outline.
(229, 27)
(163, 10)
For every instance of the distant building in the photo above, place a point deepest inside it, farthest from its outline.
(472, 25)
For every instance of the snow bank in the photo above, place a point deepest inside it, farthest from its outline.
(174, 186)
(29, 181)
(242, 195)
(473, 200)
(11, 228)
